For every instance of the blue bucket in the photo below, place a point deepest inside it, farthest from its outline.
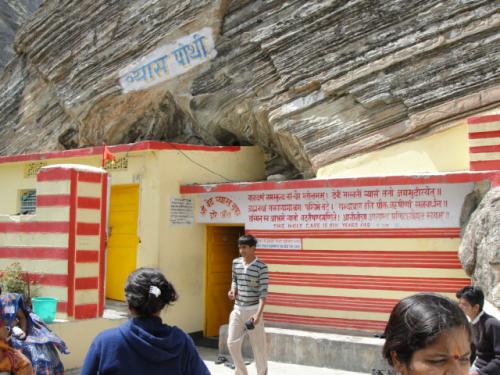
(45, 308)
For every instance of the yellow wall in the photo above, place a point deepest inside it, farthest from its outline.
(13, 180)
(446, 151)
(177, 250)
(428, 154)
(182, 248)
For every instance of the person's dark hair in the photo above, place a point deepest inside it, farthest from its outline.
(247, 239)
(472, 294)
(144, 300)
(417, 321)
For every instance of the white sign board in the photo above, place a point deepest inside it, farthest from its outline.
(279, 243)
(169, 61)
(181, 211)
(366, 207)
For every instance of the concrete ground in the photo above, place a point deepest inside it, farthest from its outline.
(209, 355)
(275, 368)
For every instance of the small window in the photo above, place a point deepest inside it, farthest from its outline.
(27, 202)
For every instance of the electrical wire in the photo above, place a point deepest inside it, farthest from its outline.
(199, 164)
(131, 148)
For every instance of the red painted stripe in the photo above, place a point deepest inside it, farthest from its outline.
(52, 200)
(331, 302)
(86, 311)
(478, 149)
(483, 119)
(417, 284)
(49, 279)
(53, 174)
(87, 229)
(35, 227)
(140, 146)
(337, 182)
(90, 177)
(360, 233)
(413, 259)
(62, 307)
(26, 252)
(488, 134)
(71, 244)
(485, 165)
(86, 283)
(356, 324)
(87, 256)
(89, 203)
(102, 250)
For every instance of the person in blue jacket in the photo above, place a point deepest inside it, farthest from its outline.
(144, 345)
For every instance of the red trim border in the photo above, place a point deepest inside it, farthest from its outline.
(359, 233)
(449, 178)
(483, 119)
(35, 227)
(87, 256)
(101, 255)
(28, 252)
(86, 283)
(86, 311)
(72, 243)
(356, 324)
(131, 147)
(338, 303)
(485, 165)
(48, 200)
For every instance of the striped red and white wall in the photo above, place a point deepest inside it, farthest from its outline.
(351, 279)
(353, 283)
(62, 245)
(484, 142)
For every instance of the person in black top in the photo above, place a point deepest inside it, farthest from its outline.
(485, 332)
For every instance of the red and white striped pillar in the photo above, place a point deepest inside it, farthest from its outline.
(62, 246)
(484, 142)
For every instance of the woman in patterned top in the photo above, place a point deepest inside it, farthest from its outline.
(31, 336)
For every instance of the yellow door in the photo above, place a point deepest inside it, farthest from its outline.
(222, 248)
(122, 243)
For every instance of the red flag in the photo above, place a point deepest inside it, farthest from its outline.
(107, 155)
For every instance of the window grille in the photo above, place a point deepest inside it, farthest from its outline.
(27, 202)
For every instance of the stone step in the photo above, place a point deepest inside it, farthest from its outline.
(360, 354)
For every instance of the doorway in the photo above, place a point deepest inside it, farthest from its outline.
(121, 257)
(221, 249)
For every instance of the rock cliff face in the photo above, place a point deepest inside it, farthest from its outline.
(12, 14)
(310, 81)
(480, 247)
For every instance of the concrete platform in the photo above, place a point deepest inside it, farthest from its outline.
(275, 368)
(329, 350)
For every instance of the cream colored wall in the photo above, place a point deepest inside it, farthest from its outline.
(78, 336)
(178, 250)
(13, 180)
(182, 248)
(444, 151)
(141, 166)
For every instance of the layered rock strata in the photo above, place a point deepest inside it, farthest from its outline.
(12, 14)
(312, 82)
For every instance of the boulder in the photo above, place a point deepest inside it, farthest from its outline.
(480, 247)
